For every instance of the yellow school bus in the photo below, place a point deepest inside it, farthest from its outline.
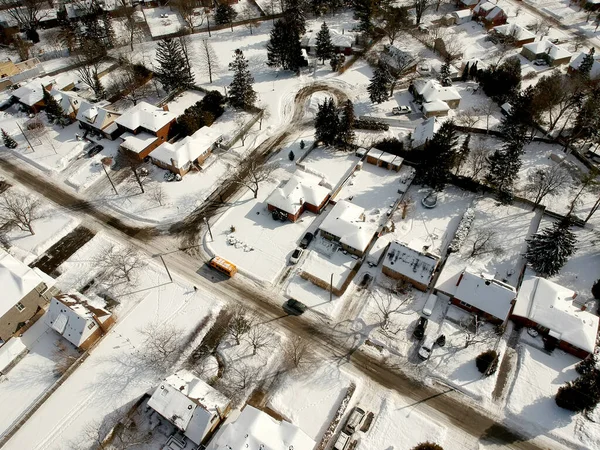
(222, 265)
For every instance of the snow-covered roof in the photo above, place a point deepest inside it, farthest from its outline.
(386, 157)
(551, 305)
(95, 115)
(337, 39)
(32, 93)
(516, 31)
(432, 90)
(484, 6)
(17, 280)
(301, 188)
(411, 261)
(425, 131)
(485, 293)
(254, 429)
(469, 2)
(495, 12)
(188, 403)
(137, 142)
(72, 317)
(188, 149)
(544, 46)
(347, 222)
(462, 14)
(435, 106)
(68, 101)
(595, 71)
(147, 116)
(397, 58)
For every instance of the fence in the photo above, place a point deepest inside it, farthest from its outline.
(243, 130)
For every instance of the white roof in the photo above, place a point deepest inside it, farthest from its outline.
(137, 142)
(463, 13)
(495, 12)
(544, 46)
(432, 90)
(337, 39)
(145, 115)
(595, 71)
(254, 429)
(435, 106)
(551, 305)
(188, 149)
(32, 93)
(188, 403)
(95, 115)
(517, 31)
(17, 280)
(484, 6)
(68, 101)
(397, 58)
(485, 293)
(411, 261)
(301, 188)
(425, 131)
(469, 2)
(344, 221)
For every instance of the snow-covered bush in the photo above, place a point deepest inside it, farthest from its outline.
(462, 231)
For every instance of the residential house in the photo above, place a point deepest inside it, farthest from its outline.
(252, 428)
(384, 159)
(31, 95)
(398, 61)
(424, 132)
(98, 119)
(68, 101)
(80, 323)
(11, 73)
(411, 262)
(342, 43)
(302, 192)
(490, 14)
(179, 157)
(346, 223)
(549, 308)
(470, 4)
(576, 62)
(25, 291)
(143, 128)
(553, 54)
(458, 17)
(190, 404)
(435, 99)
(485, 296)
(516, 34)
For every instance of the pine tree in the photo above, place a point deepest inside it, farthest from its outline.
(291, 155)
(462, 154)
(98, 88)
(465, 73)
(445, 71)
(54, 111)
(241, 92)
(474, 72)
(549, 250)
(337, 61)
(586, 65)
(379, 86)
(582, 394)
(283, 48)
(364, 10)
(302, 145)
(294, 16)
(438, 157)
(503, 169)
(326, 123)
(9, 142)
(324, 47)
(173, 71)
(225, 14)
(345, 135)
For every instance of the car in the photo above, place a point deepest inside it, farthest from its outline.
(430, 200)
(342, 441)
(94, 150)
(306, 240)
(294, 308)
(426, 349)
(354, 420)
(399, 110)
(296, 255)
(429, 305)
(169, 176)
(540, 62)
(366, 280)
(419, 330)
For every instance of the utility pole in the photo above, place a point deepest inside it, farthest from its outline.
(208, 25)
(209, 232)
(331, 288)
(103, 164)
(166, 268)
(137, 177)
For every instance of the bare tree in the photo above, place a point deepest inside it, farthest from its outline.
(420, 7)
(502, 49)
(546, 181)
(132, 25)
(484, 242)
(23, 46)
(63, 358)
(239, 325)
(119, 264)
(488, 108)
(405, 206)
(296, 351)
(540, 26)
(159, 195)
(191, 16)
(131, 81)
(27, 13)
(162, 346)
(240, 123)
(241, 376)
(19, 210)
(586, 182)
(258, 337)
(187, 50)
(473, 329)
(579, 41)
(252, 174)
(388, 305)
(477, 160)
(115, 431)
(251, 21)
(88, 70)
(209, 59)
(467, 118)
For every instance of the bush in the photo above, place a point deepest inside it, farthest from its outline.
(487, 362)
(587, 366)
(202, 114)
(581, 394)
(428, 446)
(375, 125)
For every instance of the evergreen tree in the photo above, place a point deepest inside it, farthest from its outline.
(379, 86)
(224, 14)
(283, 48)
(54, 111)
(173, 71)
(503, 169)
(337, 61)
(98, 88)
(504, 81)
(582, 394)
(445, 71)
(294, 16)
(241, 92)
(465, 73)
(326, 123)
(345, 135)
(364, 11)
(291, 155)
(324, 47)
(462, 154)
(586, 65)
(474, 71)
(438, 158)
(302, 144)
(549, 250)
(9, 142)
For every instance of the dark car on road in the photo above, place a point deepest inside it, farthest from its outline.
(306, 240)
(94, 150)
(294, 307)
(419, 331)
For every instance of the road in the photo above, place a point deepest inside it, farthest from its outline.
(446, 406)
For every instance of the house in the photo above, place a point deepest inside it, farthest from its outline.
(514, 33)
(576, 62)
(458, 17)
(25, 291)
(410, 262)
(98, 119)
(11, 73)
(549, 308)
(182, 155)
(398, 61)
(68, 101)
(553, 54)
(489, 14)
(485, 296)
(424, 132)
(435, 99)
(342, 43)
(31, 95)
(190, 404)
(302, 192)
(470, 4)
(383, 159)
(254, 429)
(143, 128)
(346, 224)
(80, 323)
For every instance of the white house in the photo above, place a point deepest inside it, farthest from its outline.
(595, 70)
(462, 16)
(553, 54)
(517, 33)
(190, 404)
(424, 132)
(96, 117)
(436, 100)
(256, 430)
(397, 60)
(347, 225)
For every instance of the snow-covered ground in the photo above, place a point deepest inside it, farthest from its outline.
(163, 20)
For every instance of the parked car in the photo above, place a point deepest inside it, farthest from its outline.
(278, 215)
(419, 330)
(306, 240)
(169, 176)
(366, 280)
(426, 349)
(342, 441)
(296, 255)
(429, 305)
(540, 62)
(354, 420)
(94, 150)
(294, 308)
(399, 110)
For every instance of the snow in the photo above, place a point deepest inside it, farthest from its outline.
(17, 281)
(485, 293)
(160, 26)
(181, 153)
(332, 165)
(412, 262)
(302, 188)
(184, 100)
(347, 223)
(324, 263)
(146, 116)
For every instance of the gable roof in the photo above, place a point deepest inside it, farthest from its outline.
(410, 261)
(301, 188)
(69, 102)
(551, 305)
(425, 131)
(345, 222)
(17, 280)
(512, 29)
(397, 58)
(485, 293)
(188, 149)
(594, 72)
(145, 115)
(544, 46)
(95, 115)
(432, 90)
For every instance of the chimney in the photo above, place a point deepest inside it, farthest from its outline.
(584, 306)
(165, 107)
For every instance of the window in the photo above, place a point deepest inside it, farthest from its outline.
(91, 325)
(466, 305)
(20, 307)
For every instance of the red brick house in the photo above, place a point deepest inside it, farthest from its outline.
(489, 14)
(302, 192)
